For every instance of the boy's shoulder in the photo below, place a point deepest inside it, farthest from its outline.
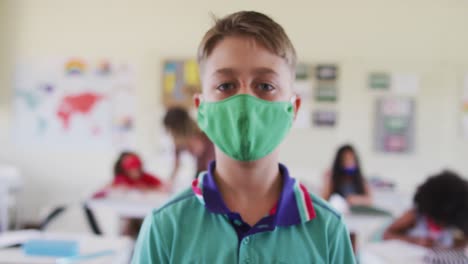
(181, 199)
(323, 209)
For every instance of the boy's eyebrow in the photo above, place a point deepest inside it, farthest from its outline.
(225, 71)
(264, 70)
(256, 71)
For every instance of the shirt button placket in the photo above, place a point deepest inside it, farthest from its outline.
(245, 259)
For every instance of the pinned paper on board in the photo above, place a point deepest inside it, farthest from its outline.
(405, 84)
(191, 75)
(325, 118)
(394, 131)
(326, 89)
(75, 66)
(326, 92)
(317, 86)
(379, 81)
(181, 81)
(327, 72)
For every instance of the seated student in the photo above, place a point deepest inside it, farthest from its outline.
(440, 214)
(129, 175)
(188, 137)
(246, 208)
(346, 178)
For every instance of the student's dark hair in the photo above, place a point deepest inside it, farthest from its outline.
(444, 198)
(179, 122)
(338, 175)
(118, 170)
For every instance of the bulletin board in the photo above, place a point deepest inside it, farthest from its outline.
(317, 85)
(181, 81)
(394, 131)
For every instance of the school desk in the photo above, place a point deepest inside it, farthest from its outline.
(92, 250)
(130, 204)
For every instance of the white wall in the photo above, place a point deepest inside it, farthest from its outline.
(361, 36)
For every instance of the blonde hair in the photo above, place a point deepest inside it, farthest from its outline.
(264, 30)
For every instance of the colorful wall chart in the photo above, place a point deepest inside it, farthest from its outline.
(181, 81)
(317, 86)
(394, 131)
(74, 102)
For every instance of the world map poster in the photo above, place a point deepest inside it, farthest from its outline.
(74, 102)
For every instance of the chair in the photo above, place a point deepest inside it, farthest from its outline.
(78, 218)
(10, 184)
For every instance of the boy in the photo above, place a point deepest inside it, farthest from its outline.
(245, 208)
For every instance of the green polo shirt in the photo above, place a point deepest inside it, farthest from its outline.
(197, 227)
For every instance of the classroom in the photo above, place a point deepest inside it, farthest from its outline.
(117, 116)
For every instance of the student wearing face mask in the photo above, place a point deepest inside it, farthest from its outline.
(129, 173)
(129, 176)
(439, 217)
(346, 179)
(247, 207)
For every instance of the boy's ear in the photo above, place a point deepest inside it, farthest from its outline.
(197, 99)
(297, 105)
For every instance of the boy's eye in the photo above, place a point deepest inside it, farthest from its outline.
(226, 87)
(265, 87)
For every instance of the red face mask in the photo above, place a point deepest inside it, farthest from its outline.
(131, 162)
(433, 226)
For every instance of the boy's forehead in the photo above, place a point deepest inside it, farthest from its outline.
(233, 54)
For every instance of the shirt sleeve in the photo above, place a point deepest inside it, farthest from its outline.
(151, 180)
(341, 250)
(150, 247)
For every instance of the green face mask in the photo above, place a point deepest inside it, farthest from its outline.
(245, 127)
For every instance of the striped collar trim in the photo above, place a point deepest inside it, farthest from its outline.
(197, 187)
(304, 202)
(295, 205)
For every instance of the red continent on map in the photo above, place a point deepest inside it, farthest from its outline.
(76, 104)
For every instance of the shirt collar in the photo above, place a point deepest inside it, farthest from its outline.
(294, 206)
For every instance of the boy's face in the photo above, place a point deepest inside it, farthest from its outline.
(239, 65)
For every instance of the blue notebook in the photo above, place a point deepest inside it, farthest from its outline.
(51, 248)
